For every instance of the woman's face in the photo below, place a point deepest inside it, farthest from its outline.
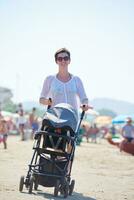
(63, 59)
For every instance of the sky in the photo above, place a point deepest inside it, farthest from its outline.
(98, 33)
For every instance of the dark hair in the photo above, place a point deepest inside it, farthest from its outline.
(62, 50)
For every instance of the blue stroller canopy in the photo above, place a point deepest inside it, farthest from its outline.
(62, 115)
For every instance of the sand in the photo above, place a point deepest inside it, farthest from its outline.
(100, 171)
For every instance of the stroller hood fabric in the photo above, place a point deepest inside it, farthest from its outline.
(62, 115)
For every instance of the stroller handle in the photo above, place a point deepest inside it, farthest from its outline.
(49, 103)
(83, 113)
(81, 118)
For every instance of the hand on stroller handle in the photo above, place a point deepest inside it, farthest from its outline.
(47, 102)
(85, 107)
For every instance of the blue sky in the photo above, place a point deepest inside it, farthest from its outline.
(99, 34)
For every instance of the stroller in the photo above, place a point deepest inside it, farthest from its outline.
(54, 148)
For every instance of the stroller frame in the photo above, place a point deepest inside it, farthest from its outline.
(51, 166)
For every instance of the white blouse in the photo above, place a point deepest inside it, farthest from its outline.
(71, 92)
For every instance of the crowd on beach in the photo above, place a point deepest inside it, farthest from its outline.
(119, 132)
(22, 124)
(26, 124)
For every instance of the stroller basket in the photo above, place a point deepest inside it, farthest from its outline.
(50, 170)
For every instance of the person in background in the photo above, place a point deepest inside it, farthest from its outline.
(93, 131)
(19, 107)
(86, 128)
(128, 131)
(112, 130)
(64, 87)
(33, 121)
(3, 132)
(21, 123)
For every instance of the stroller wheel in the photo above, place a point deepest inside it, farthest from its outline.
(27, 182)
(21, 183)
(71, 187)
(31, 184)
(56, 189)
(66, 190)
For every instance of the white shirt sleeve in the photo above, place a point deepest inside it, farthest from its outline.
(81, 91)
(46, 87)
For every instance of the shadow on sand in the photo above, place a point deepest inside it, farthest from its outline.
(50, 196)
(78, 196)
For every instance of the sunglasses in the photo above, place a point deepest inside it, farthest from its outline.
(66, 58)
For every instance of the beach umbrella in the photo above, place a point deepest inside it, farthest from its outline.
(9, 116)
(103, 120)
(6, 114)
(90, 114)
(120, 119)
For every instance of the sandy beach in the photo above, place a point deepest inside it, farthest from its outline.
(100, 171)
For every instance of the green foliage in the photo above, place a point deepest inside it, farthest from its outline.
(9, 106)
(107, 112)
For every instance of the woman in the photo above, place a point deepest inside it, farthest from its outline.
(64, 87)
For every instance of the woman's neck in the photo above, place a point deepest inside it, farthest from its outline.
(64, 76)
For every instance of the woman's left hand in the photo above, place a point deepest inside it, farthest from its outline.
(85, 107)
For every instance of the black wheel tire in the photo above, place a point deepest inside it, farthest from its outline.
(35, 185)
(71, 187)
(27, 182)
(21, 183)
(66, 190)
(56, 188)
(31, 182)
